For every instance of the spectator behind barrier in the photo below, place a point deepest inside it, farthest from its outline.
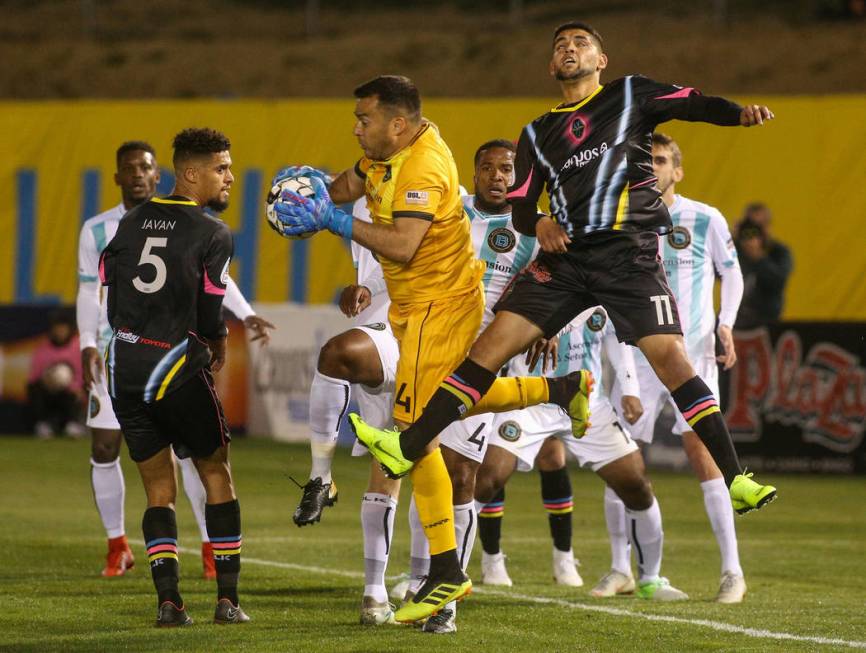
(766, 265)
(54, 387)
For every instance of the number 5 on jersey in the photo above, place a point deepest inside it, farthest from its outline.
(149, 258)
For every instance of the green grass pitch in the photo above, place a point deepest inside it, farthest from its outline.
(804, 560)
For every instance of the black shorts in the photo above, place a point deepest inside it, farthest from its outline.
(621, 271)
(190, 418)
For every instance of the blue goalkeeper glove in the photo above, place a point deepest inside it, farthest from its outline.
(299, 171)
(302, 215)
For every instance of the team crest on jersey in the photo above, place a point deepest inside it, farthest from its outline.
(510, 431)
(94, 406)
(679, 238)
(376, 326)
(597, 320)
(579, 129)
(501, 240)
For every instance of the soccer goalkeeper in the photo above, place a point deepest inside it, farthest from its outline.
(421, 237)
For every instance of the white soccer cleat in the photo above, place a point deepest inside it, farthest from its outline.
(398, 592)
(659, 589)
(612, 583)
(374, 613)
(565, 568)
(732, 588)
(493, 571)
(443, 622)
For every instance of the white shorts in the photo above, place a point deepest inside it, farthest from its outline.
(523, 432)
(376, 405)
(654, 396)
(469, 437)
(100, 412)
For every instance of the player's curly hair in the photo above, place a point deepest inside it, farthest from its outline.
(133, 146)
(195, 141)
(504, 143)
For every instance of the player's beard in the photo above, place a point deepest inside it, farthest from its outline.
(577, 74)
(217, 205)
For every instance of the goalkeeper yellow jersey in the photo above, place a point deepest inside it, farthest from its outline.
(420, 181)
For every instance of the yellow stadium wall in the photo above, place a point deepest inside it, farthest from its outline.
(58, 159)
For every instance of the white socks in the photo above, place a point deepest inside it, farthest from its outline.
(646, 537)
(329, 399)
(465, 528)
(614, 515)
(109, 491)
(717, 501)
(196, 493)
(377, 522)
(420, 548)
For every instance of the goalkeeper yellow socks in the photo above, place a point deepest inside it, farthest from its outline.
(511, 393)
(431, 486)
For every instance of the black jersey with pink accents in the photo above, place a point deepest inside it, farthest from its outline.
(166, 271)
(594, 157)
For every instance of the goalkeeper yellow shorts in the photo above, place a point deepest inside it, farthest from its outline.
(434, 339)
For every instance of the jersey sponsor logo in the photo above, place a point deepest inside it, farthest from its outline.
(679, 238)
(540, 273)
(127, 336)
(158, 225)
(94, 406)
(510, 431)
(584, 157)
(501, 240)
(420, 197)
(376, 326)
(597, 320)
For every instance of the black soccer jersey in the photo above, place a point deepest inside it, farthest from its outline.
(595, 156)
(166, 271)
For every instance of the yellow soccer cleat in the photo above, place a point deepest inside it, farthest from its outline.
(384, 445)
(747, 495)
(431, 597)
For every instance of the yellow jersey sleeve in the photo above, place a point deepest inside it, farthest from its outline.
(421, 190)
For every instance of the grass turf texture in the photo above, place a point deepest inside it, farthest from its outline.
(803, 558)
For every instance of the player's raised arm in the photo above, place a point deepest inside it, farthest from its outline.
(665, 102)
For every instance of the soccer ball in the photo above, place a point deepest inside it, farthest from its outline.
(302, 186)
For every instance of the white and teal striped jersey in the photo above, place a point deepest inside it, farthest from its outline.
(581, 344)
(698, 247)
(91, 311)
(501, 248)
(369, 273)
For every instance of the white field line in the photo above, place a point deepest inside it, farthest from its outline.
(618, 612)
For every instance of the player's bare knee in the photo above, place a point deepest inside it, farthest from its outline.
(487, 486)
(104, 450)
(332, 359)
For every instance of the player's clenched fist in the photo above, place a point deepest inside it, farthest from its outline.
(755, 114)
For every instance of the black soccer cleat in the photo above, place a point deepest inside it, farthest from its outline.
(171, 616)
(317, 496)
(228, 613)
